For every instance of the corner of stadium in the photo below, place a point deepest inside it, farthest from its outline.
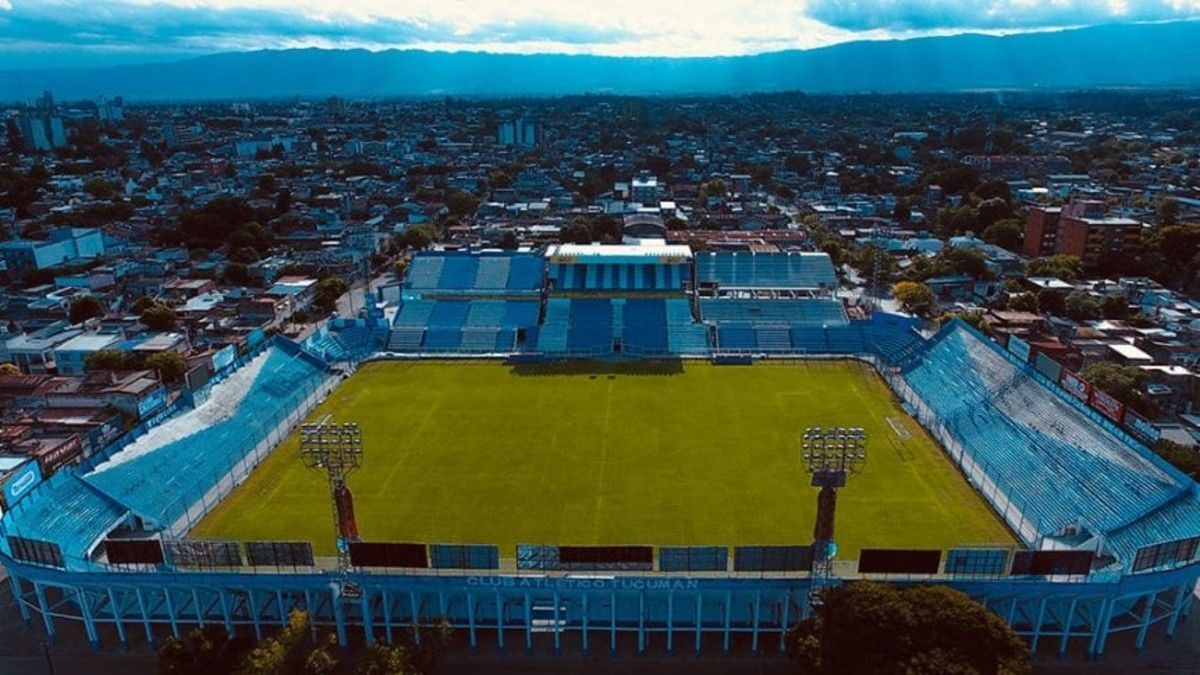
(601, 445)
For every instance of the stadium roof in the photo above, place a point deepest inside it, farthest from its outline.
(646, 248)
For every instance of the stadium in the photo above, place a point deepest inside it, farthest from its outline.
(608, 447)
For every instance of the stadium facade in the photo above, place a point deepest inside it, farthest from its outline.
(1109, 531)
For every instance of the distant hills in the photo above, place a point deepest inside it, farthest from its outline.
(1124, 55)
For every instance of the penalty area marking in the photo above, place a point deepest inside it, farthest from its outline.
(898, 427)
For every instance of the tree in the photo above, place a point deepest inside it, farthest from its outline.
(201, 651)
(957, 260)
(992, 189)
(462, 203)
(9, 370)
(1114, 307)
(1023, 302)
(407, 656)
(1008, 233)
(99, 188)
(1051, 302)
(868, 627)
(575, 233)
(902, 212)
(509, 241)
(169, 365)
(1182, 457)
(267, 183)
(713, 188)
(914, 297)
(237, 273)
(1082, 307)
(1065, 267)
(1123, 383)
(955, 220)
(973, 318)
(106, 359)
(417, 237)
(328, 292)
(85, 307)
(1168, 211)
(159, 317)
(992, 211)
(294, 650)
(142, 304)
(796, 163)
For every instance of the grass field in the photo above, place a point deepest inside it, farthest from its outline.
(608, 454)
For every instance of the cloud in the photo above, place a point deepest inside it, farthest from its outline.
(55, 31)
(919, 15)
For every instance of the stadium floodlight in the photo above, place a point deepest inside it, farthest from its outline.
(829, 455)
(337, 450)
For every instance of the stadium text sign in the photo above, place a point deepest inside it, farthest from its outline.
(584, 583)
(1140, 426)
(1075, 386)
(1111, 407)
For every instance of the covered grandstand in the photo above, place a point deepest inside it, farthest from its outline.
(755, 274)
(167, 478)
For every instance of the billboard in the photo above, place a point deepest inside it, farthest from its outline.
(222, 358)
(279, 554)
(1075, 386)
(1179, 551)
(1051, 563)
(152, 402)
(20, 482)
(1141, 427)
(1048, 367)
(1018, 348)
(1107, 405)
(899, 561)
(388, 554)
(133, 551)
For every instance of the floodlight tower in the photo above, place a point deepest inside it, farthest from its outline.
(337, 450)
(829, 455)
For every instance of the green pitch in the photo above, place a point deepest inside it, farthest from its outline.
(612, 454)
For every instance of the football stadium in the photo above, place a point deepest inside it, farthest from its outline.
(614, 447)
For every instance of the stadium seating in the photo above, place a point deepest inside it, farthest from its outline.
(406, 339)
(736, 337)
(414, 313)
(684, 334)
(458, 272)
(845, 339)
(810, 340)
(69, 512)
(468, 274)
(525, 273)
(449, 314)
(623, 276)
(1054, 463)
(425, 271)
(478, 339)
(493, 272)
(485, 313)
(159, 476)
(766, 270)
(442, 339)
(808, 312)
(773, 339)
(644, 327)
(590, 330)
(552, 336)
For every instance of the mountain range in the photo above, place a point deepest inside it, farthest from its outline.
(1162, 55)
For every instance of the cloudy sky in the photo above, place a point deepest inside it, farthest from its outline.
(41, 33)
